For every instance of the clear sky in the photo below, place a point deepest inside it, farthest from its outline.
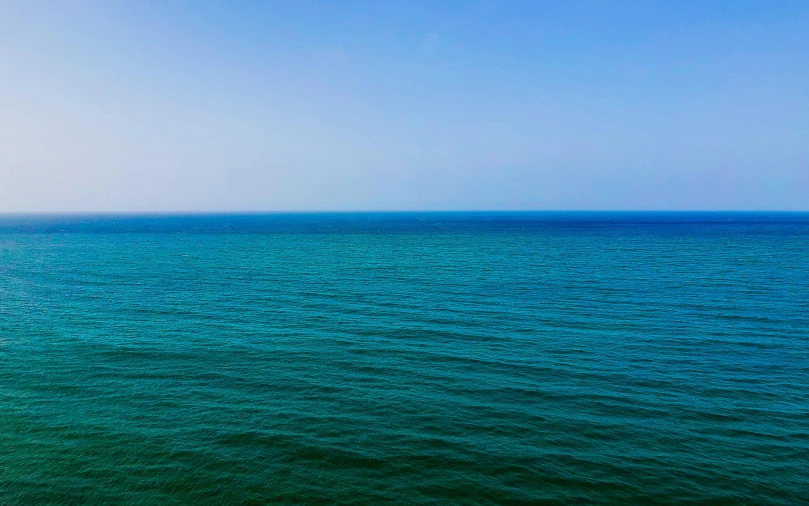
(370, 105)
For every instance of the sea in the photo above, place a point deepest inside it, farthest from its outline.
(405, 358)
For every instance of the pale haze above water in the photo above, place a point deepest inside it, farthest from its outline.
(263, 106)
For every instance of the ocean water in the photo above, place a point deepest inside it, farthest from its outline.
(468, 358)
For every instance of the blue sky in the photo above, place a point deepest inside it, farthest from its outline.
(326, 105)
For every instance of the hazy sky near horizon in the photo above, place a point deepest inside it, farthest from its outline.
(362, 105)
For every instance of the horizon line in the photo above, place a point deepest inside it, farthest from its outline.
(378, 211)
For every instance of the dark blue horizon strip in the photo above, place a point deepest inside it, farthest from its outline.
(382, 221)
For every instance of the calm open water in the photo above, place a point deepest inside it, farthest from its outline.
(500, 358)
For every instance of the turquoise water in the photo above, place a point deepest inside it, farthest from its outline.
(499, 358)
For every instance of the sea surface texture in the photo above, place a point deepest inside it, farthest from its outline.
(470, 358)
